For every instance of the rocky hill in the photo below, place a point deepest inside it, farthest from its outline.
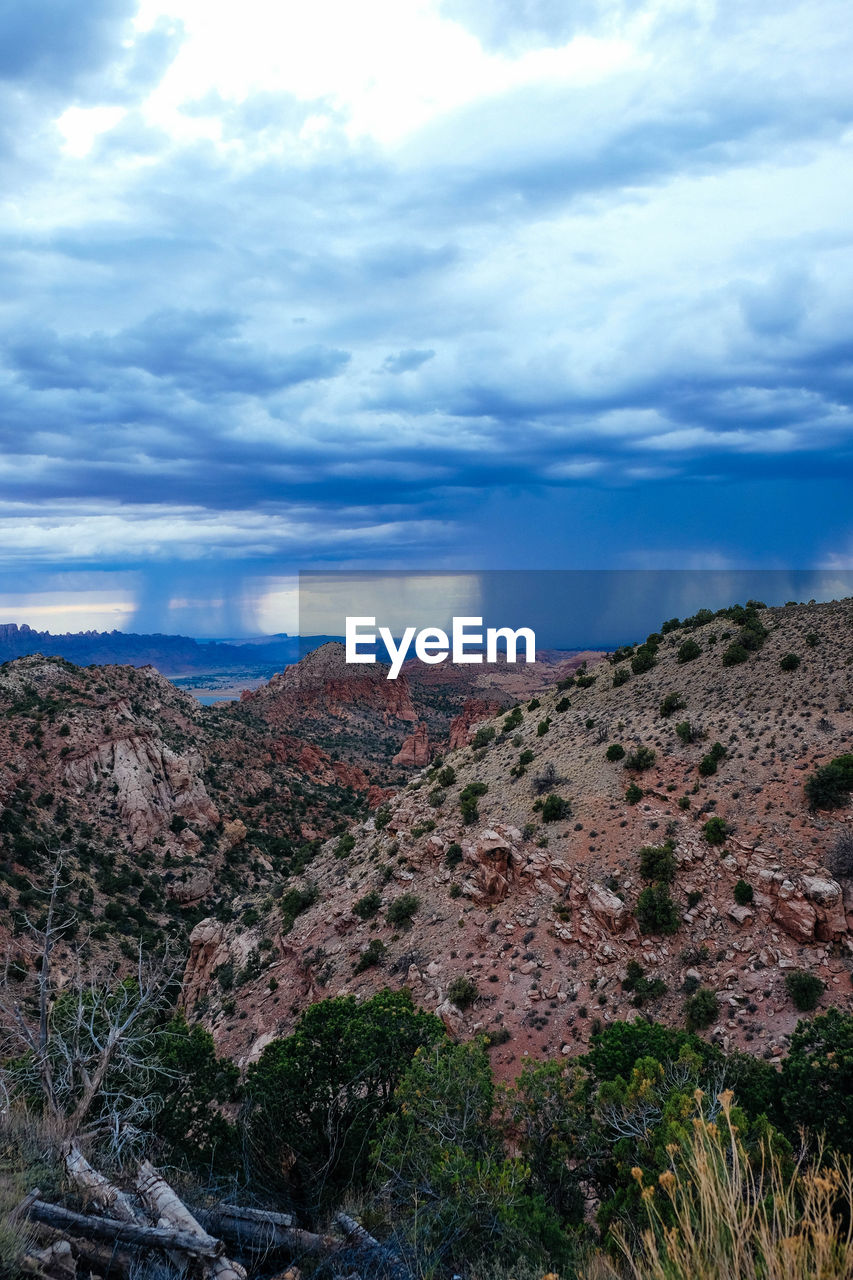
(624, 841)
(160, 809)
(387, 727)
(164, 810)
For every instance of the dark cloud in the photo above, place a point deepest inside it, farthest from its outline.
(612, 296)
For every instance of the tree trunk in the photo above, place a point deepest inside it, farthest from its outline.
(157, 1193)
(97, 1187)
(68, 1222)
(263, 1234)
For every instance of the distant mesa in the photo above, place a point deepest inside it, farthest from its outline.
(171, 655)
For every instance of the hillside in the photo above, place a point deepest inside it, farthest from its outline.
(155, 804)
(539, 918)
(163, 810)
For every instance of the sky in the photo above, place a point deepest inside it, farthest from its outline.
(416, 284)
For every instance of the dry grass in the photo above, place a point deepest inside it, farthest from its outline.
(727, 1220)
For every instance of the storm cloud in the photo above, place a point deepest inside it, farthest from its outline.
(594, 306)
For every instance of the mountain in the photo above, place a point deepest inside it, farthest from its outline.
(677, 772)
(174, 655)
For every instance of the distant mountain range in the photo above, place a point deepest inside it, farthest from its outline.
(172, 655)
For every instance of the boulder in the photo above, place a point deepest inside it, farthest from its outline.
(607, 908)
(797, 917)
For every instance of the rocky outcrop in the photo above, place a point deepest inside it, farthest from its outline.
(152, 784)
(209, 947)
(474, 710)
(317, 766)
(797, 917)
(607, 908)
(324, 684)
(415, 751)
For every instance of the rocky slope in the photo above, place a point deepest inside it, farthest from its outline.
(388, 727)
(161, 809)
(541, 918)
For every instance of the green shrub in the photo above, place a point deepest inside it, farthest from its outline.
(294, 902)
(621, 676)
(684, 731)
(483, 736)
(401, 910)
(804, 988)
(446, 776)
(556, 809)
(812, 640)
(688, 651)
(371, 956)
(715, 830)
(463, 992)
(656, 911)
(382, 817)
(633, 794)
(368, 905)
(543, 727)
(615, 752)
(314, 1098)
(345, 845)
(701, 1009)
(563, 705)
(830, 786)
(672, 702)
(469, 810)
(533, 704)
(744, 893)
(817, 1079)
(640, 759)
(718, 752)
(454, 854)
(513, 720)
(468, 801)
(643, 988)
(707, 766)
(657, 862)
(790, 662)
(735, 654)
(643, 660)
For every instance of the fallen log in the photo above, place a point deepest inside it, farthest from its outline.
(361, 1241)
(98, 1188)
(157, 1193)
(199, 1245)
(255, 1215)
(264, 1236)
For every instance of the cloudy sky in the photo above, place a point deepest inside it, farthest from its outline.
(416, 283)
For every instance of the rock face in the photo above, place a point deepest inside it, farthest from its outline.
(474, 710)
(152, 784)
(607, 908)
(323, 684)
(415, 751)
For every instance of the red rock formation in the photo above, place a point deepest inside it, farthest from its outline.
(415, 751)
(323, 684)
(317, 765)
(376, 796)
(474, 710)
